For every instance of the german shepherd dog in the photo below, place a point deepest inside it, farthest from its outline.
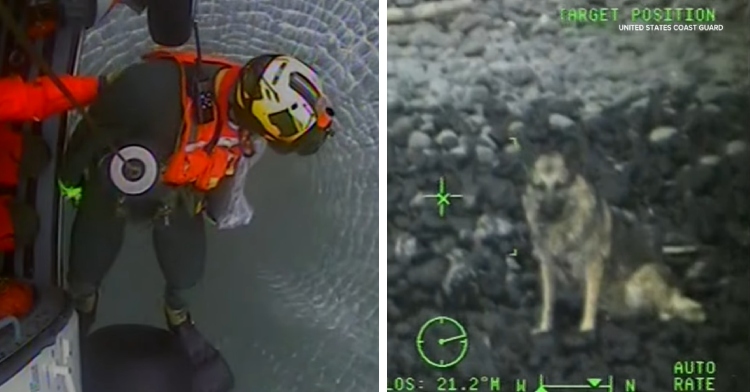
(581, 241)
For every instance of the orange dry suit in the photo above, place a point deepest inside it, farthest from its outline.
(192, 164)
(22, 101)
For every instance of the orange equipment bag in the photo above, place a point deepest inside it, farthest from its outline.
(191, 163)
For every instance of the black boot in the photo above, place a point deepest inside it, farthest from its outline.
(212, 373)
(86, 308)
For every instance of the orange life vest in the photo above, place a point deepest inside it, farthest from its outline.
(191, 164)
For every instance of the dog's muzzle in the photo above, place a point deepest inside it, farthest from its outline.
(551, 208)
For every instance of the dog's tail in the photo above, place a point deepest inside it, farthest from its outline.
(651, 286)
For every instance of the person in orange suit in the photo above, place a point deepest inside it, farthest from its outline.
(25, 154)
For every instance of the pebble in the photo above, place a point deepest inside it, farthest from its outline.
(709, 160)
(447, 138)
(473, 48)
(405, 247)
(513, 74)
(427, 34)
(515, 127)
(475, 43)
(458, 269)
(393, 312)
(467, 21)
(439, 86)
(419, 141)
(418, 200)
(559, 122)
(485, 155)
(459, 151)
(429, 274)
(402, 125)
(638, 105)
(485, 138)
(660, 134)
(408, 69)
(735, 147)
(545, 25)
(492, 226)
(512, 148)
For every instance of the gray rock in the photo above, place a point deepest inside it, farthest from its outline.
(712, 93)
(458, 269)
(472, 48)
(405, 247)
(393, 100)
(545, 25)
(485, 139)
(735, 147)
(512, 264)
(447, 138)
(515, 128)
(419, 141)
(709, 160)
(474, 94)
(492, 226)
(486, 155)
(439, 87)
(638, 105)
(427, 34)
(415, 71)
(513, 74)
(475, 43)
(429, 274)
(418, 200)
(559, 122)
(696, 270)
(405, 3)
(661, 134)
(428, 128)
(393, 312)
(459, 151)
(711, 108)
(401, 126)
(467, 21)
(512, 147)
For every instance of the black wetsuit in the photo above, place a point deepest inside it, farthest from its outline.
(141, 105)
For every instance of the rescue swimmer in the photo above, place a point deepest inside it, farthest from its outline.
(181, 125)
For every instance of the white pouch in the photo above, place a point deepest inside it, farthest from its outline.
(237, 211)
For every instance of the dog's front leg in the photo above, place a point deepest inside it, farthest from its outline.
(547, 284)
(594, 275)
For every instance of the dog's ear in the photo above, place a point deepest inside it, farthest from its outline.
(576, 151)
(527, 151)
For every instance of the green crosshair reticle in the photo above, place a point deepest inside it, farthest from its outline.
(451, 333)
(442, 197)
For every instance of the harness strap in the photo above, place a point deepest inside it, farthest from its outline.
(195, 159)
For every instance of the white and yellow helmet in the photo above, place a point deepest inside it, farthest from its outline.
(281, 98)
